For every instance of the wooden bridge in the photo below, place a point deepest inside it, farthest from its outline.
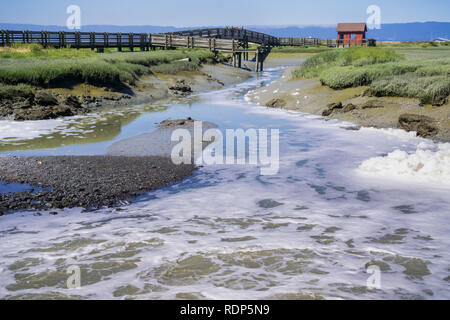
(234, 40)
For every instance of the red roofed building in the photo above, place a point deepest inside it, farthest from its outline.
(351, 33)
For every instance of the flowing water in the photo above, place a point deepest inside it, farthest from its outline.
(344, 200)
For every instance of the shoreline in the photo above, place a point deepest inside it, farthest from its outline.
(49, 183)
(90, 182)
(132, 167)
(71, 99)
(354, 105)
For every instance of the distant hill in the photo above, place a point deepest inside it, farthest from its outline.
(414, 31)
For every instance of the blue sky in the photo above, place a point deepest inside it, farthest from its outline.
(219, 12)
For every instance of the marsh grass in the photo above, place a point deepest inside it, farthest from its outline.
(36, 51)
(112, 70)
(354, 56)
(429, 89)
(386, 72)
(12, 91)
(300, 49)
(175, 67)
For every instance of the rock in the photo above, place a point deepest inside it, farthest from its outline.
(45, 98)
(22, 104)
(349, 107)
(181, 86)
(35, 113)
(423, 125)
(276, 103)
(53, 213)
(175, 123)
(72, 101)
(366, 93)
(62, 111)
(440, 102)
(331, 108)
(372, 104)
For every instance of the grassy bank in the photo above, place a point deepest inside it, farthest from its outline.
(36, 51)
(387, 72)
(300, 49)
(56, 66)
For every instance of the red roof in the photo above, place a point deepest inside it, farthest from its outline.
(352, 27)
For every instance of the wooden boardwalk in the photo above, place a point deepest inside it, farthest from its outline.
(234, 40)
(232, 33)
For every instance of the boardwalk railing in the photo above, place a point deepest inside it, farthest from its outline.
(232, 33)
(356, 42)
(217, 39)
(94, 40)
(307, 42)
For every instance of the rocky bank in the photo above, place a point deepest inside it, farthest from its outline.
(355, 105)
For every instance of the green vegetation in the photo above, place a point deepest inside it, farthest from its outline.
(175, 67)
(109, 69)
(36, 51)
(300, 49)
(414, 44)
(387, 72)
(354, 56)
(21, 90)
(432, 89)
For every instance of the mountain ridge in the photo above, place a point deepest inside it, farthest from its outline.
(411, 31)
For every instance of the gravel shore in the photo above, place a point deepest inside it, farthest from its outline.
(84, 181)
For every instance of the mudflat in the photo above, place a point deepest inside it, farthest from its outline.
(84, 181)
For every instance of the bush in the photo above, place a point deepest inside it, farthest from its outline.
(351, 76)
(427, 89)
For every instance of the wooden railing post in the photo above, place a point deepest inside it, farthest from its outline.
(130, 41)
(106, 40)
(77, 40)
(119, 42)
(92, 40)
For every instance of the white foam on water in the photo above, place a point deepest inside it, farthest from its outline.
(28, 129)
(423, 165)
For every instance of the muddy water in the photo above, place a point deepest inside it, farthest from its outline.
(309, 232)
